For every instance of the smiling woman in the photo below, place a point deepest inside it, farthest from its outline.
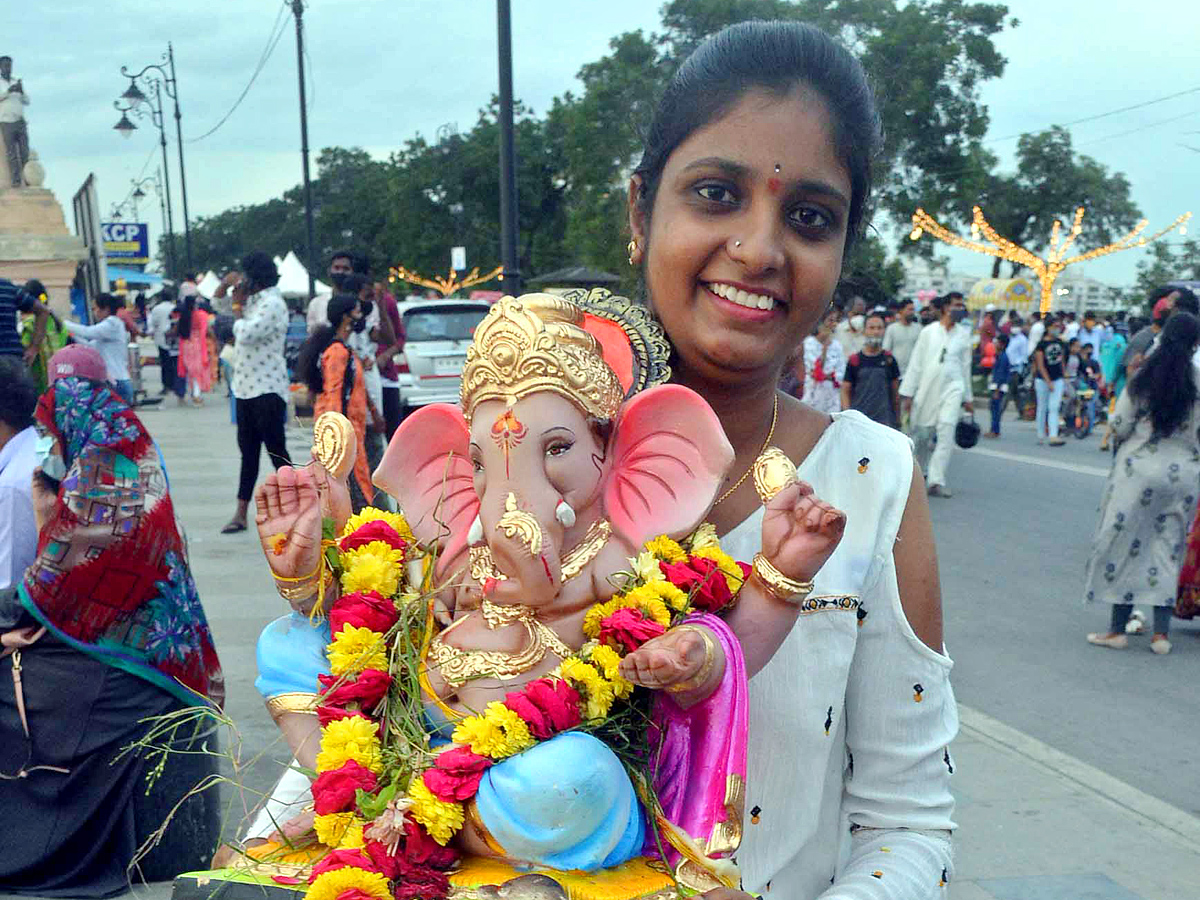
(753, 184)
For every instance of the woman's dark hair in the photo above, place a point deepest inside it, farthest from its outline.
(775, 57)
(19, 398)
(186, 307)
(309, 362)
(260, 270)
(35, 287)
(1166, 382)
(109, 302)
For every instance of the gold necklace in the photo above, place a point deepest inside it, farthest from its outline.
(766, 444)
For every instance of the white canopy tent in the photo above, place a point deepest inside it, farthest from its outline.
(293, 278)
(208, 284)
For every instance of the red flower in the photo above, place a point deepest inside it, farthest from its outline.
(334, 792)
(702, 579)
(327, 714)
(419, 883)
(628, 628)
(456, 774)
(422, 850)
(340, 859)
(375, 530)
(547, 705)
(386, 863)
(366, 690)
(368, 609)
(355, 894)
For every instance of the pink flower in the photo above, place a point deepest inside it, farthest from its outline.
(702, 579)
(375, 530)
(547, 706)
(366, 690)
(340, 859)
(363, 609)
(628, 628)
(456, 774)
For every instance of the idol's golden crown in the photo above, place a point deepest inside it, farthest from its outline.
(537, 342)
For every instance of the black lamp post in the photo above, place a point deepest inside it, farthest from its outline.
(126, 128)
(511, 279)
(138, 194)
(135, 96)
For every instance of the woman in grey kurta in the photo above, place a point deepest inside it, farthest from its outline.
(1150, 498)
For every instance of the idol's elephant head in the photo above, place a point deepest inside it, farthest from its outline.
(546, 445)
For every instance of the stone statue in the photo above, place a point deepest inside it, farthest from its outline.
(13, 101)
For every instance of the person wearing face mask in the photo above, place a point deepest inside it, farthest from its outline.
(1049, 361)
(937, 386)
(901, 336)
(872, 380)
(260, 379)
(849, 332)
(342, 264)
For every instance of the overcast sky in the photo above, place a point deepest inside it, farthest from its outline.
(383, 70)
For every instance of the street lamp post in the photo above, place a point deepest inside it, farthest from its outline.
(298, 12)
(135, 96)
(138, 194)
(126, 128)
(511, 279)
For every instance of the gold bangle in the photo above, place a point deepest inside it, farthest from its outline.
(778, 585)
(301, 591)
(710, 654)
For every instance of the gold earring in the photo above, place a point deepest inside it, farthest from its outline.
(632, 248)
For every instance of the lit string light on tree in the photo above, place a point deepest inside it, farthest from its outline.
(1056, 259)
(444, 286)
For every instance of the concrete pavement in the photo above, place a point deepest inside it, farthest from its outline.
(1035, 823)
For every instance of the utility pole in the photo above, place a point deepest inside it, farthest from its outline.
(510, 281)
(298, 11)
(174, 92)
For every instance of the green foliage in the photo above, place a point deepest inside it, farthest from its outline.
(1051, 181)
(1169, 261)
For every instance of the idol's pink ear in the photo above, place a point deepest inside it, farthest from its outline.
(427, 468)
(669, 460)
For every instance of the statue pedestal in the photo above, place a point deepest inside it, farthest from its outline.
(35, 243)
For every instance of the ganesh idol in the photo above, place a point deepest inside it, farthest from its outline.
(551, 526)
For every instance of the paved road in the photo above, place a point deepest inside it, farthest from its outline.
(1012, 544)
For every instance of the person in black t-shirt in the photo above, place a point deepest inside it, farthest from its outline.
(872, 380)
(1048, 360)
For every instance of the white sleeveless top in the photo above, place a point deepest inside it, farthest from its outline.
(851, 720)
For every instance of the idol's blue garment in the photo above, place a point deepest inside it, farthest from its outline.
(566, 803)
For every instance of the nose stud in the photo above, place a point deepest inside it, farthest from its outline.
(737, 243)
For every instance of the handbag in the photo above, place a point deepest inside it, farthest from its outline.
(966, 433)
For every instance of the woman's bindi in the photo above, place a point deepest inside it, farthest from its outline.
(774, 184)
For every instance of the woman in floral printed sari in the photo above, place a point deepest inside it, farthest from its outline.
(108, 631)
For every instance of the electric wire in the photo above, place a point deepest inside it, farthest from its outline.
(1103, 115)
(277, 32)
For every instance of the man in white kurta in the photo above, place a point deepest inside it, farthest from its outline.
(936, 387)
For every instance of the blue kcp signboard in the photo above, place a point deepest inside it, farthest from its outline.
(126, 243)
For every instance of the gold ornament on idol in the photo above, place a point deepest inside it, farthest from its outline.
(767, 443)
(537, 343)
(460, 666)
(632, 248)
(773, 471)
(780, 586)
(520, 525)
(334, 445)
(574, 560)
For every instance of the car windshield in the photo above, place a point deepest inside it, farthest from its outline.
(444, 323)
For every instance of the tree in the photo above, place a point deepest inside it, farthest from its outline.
(1169, 261)
(1049, 184)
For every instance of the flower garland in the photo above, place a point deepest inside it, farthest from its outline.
(388, 813)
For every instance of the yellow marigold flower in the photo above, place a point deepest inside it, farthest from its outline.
(646, 598)
(354, 649)
(666, 549)
(484, 736)
(331, 885)
(601, 611)
(340, 831)
(704, 536)
(350, 738)
(441, 819)
(668, 593)
(725, 562)
(516, 732)
(608, 661)
(372, 567)
(645, 567)
(370, 514)
(597, 693)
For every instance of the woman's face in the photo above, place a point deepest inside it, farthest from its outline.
(746, 236)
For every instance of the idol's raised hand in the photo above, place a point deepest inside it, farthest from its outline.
(800, 531)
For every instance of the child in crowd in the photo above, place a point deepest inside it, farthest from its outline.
(998, 383)
(872, 380)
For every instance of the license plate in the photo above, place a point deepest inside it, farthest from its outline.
(448, 365)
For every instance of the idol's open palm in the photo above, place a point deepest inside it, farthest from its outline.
(800, 531)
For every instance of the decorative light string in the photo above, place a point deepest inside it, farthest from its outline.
(1049, 268)
(444, 286)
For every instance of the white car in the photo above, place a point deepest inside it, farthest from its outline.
(437, 334)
